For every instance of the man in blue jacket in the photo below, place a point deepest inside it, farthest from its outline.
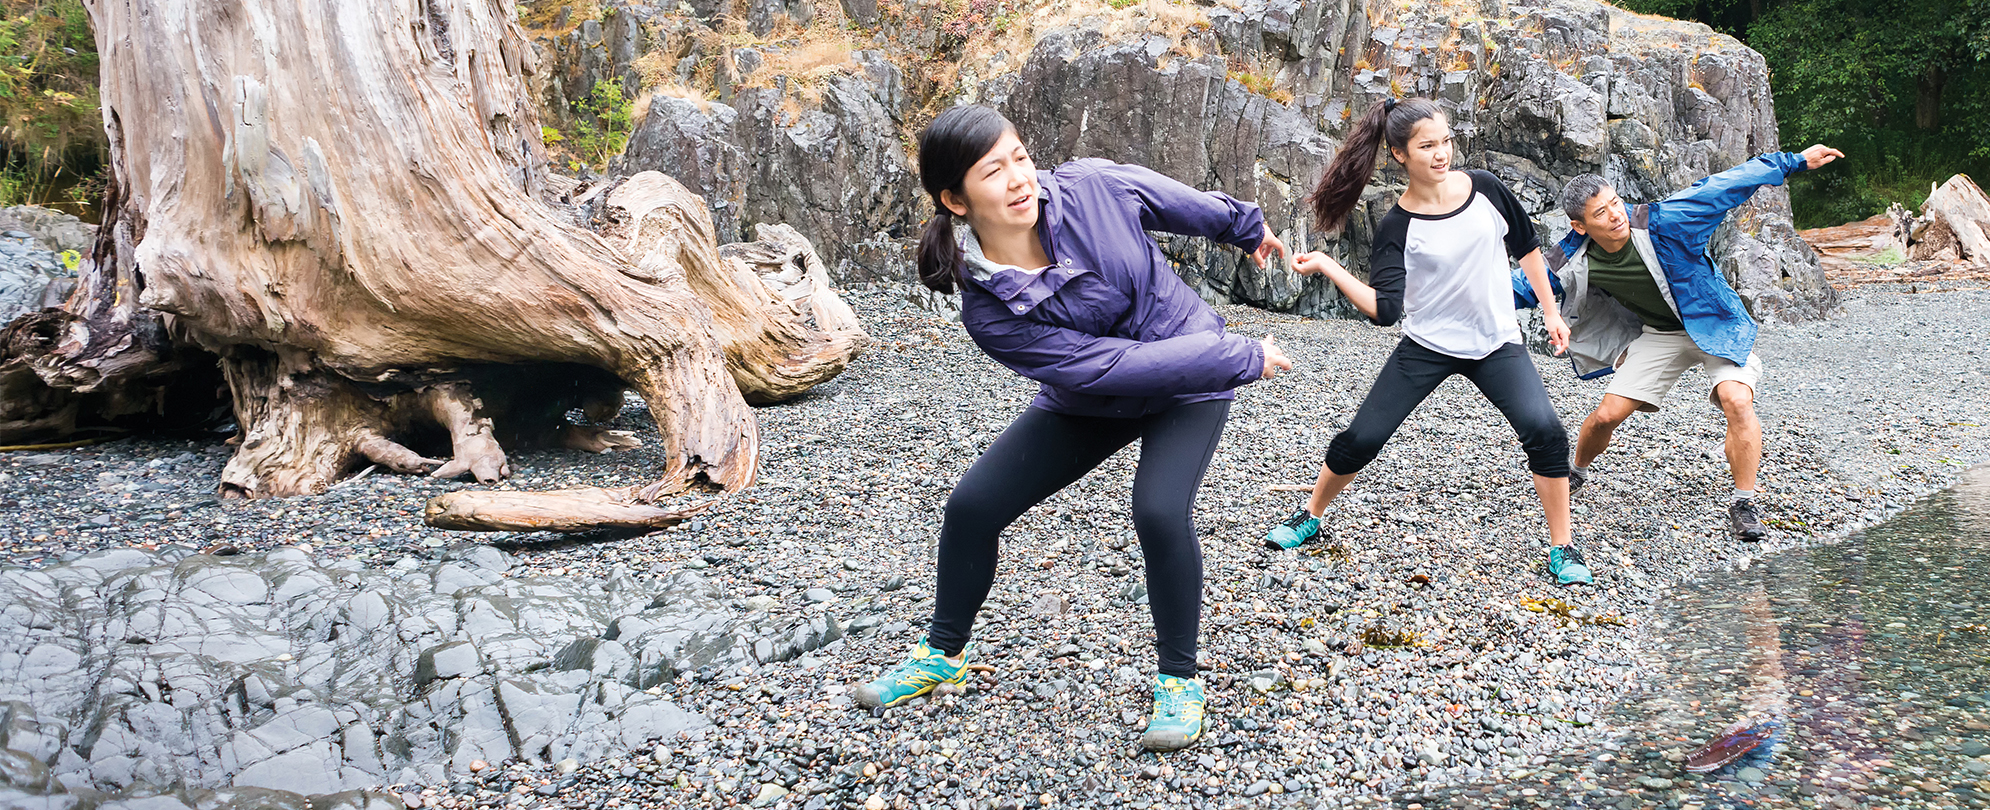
(1644, 302)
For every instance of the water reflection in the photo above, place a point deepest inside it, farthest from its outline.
(1866, 661)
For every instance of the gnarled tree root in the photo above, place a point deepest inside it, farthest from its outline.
(349, 218)
(305, 428)
(779, 322)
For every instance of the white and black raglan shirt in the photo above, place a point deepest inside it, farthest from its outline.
(1446, 276)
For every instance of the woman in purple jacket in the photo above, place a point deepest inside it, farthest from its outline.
(1060, 282)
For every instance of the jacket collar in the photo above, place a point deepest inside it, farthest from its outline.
(1019, 288)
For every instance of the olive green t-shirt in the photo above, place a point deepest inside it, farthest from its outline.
(1624, 277)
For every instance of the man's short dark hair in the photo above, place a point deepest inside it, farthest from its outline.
(1579, 191)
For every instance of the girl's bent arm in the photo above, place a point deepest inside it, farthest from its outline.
(1369, 301)
(1195, 363)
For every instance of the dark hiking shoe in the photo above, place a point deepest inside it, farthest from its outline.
(1745, 523)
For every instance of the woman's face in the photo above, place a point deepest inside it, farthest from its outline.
(999, 191)
(1427, 156)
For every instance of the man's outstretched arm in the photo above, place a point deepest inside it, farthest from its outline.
(1698, 210)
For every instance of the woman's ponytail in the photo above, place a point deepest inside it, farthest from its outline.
(952, 144)
(939, 253)
(1339, 190)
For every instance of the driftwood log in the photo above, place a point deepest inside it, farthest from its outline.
(1952, 226)
(335, 207)
(1961, 205)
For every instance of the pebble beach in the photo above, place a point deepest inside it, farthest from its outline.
(1419, 645)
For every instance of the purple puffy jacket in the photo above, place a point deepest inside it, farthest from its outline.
(1108, 328)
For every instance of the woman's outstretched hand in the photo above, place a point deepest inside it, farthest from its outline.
(1267, 247)
(1274, 360)
(1314, 264)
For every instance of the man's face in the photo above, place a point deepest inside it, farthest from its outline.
(1604, 218)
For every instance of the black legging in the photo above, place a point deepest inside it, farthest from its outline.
(1043, 452)
(1507, 377)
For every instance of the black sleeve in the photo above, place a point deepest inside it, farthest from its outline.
(1386, 269)
(1520, 236)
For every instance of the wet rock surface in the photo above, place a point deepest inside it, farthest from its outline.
(128, 669)
(853, 479)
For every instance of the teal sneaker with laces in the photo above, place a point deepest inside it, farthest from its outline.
(1566, 565)
(1177, 719)
(918, 674)
(1296, 530)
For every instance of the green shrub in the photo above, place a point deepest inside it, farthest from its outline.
(1901, 86)
(601, 126)
(51, 132)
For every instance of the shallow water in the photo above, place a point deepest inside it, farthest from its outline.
(1867, 661)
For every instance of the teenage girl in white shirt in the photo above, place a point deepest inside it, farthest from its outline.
(1440, 266)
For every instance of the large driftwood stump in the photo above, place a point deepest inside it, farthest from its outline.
(1962, 206)
(340, 200)
(1953, 225)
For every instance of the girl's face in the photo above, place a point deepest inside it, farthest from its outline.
(999, 192)
(1427, 156)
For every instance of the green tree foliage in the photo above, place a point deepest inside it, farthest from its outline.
(601, 124)
(51, 134)
(1903, 87)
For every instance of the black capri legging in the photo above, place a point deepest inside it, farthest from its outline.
(1043, 452)
(1506, 377)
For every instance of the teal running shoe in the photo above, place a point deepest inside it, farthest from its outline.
(1565, 564)
(1177, 720)
(1296, 530)
(921, 671)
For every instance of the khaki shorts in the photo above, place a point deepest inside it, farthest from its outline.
(1652, 364)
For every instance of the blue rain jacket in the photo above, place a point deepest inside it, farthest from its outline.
(1671, 235)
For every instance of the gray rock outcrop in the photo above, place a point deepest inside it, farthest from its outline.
(1083, 93)
(32, 273)
(837, 172)
(1251, 98)
(51, 229)
(31, 276)
(596, 50)
(132, 672)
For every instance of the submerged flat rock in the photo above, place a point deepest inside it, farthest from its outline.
(130, 670)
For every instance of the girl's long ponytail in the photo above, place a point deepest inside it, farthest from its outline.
(939, 253)
(1340, 187)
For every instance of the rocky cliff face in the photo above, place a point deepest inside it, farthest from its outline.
(1248, 96)
(838, 168)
